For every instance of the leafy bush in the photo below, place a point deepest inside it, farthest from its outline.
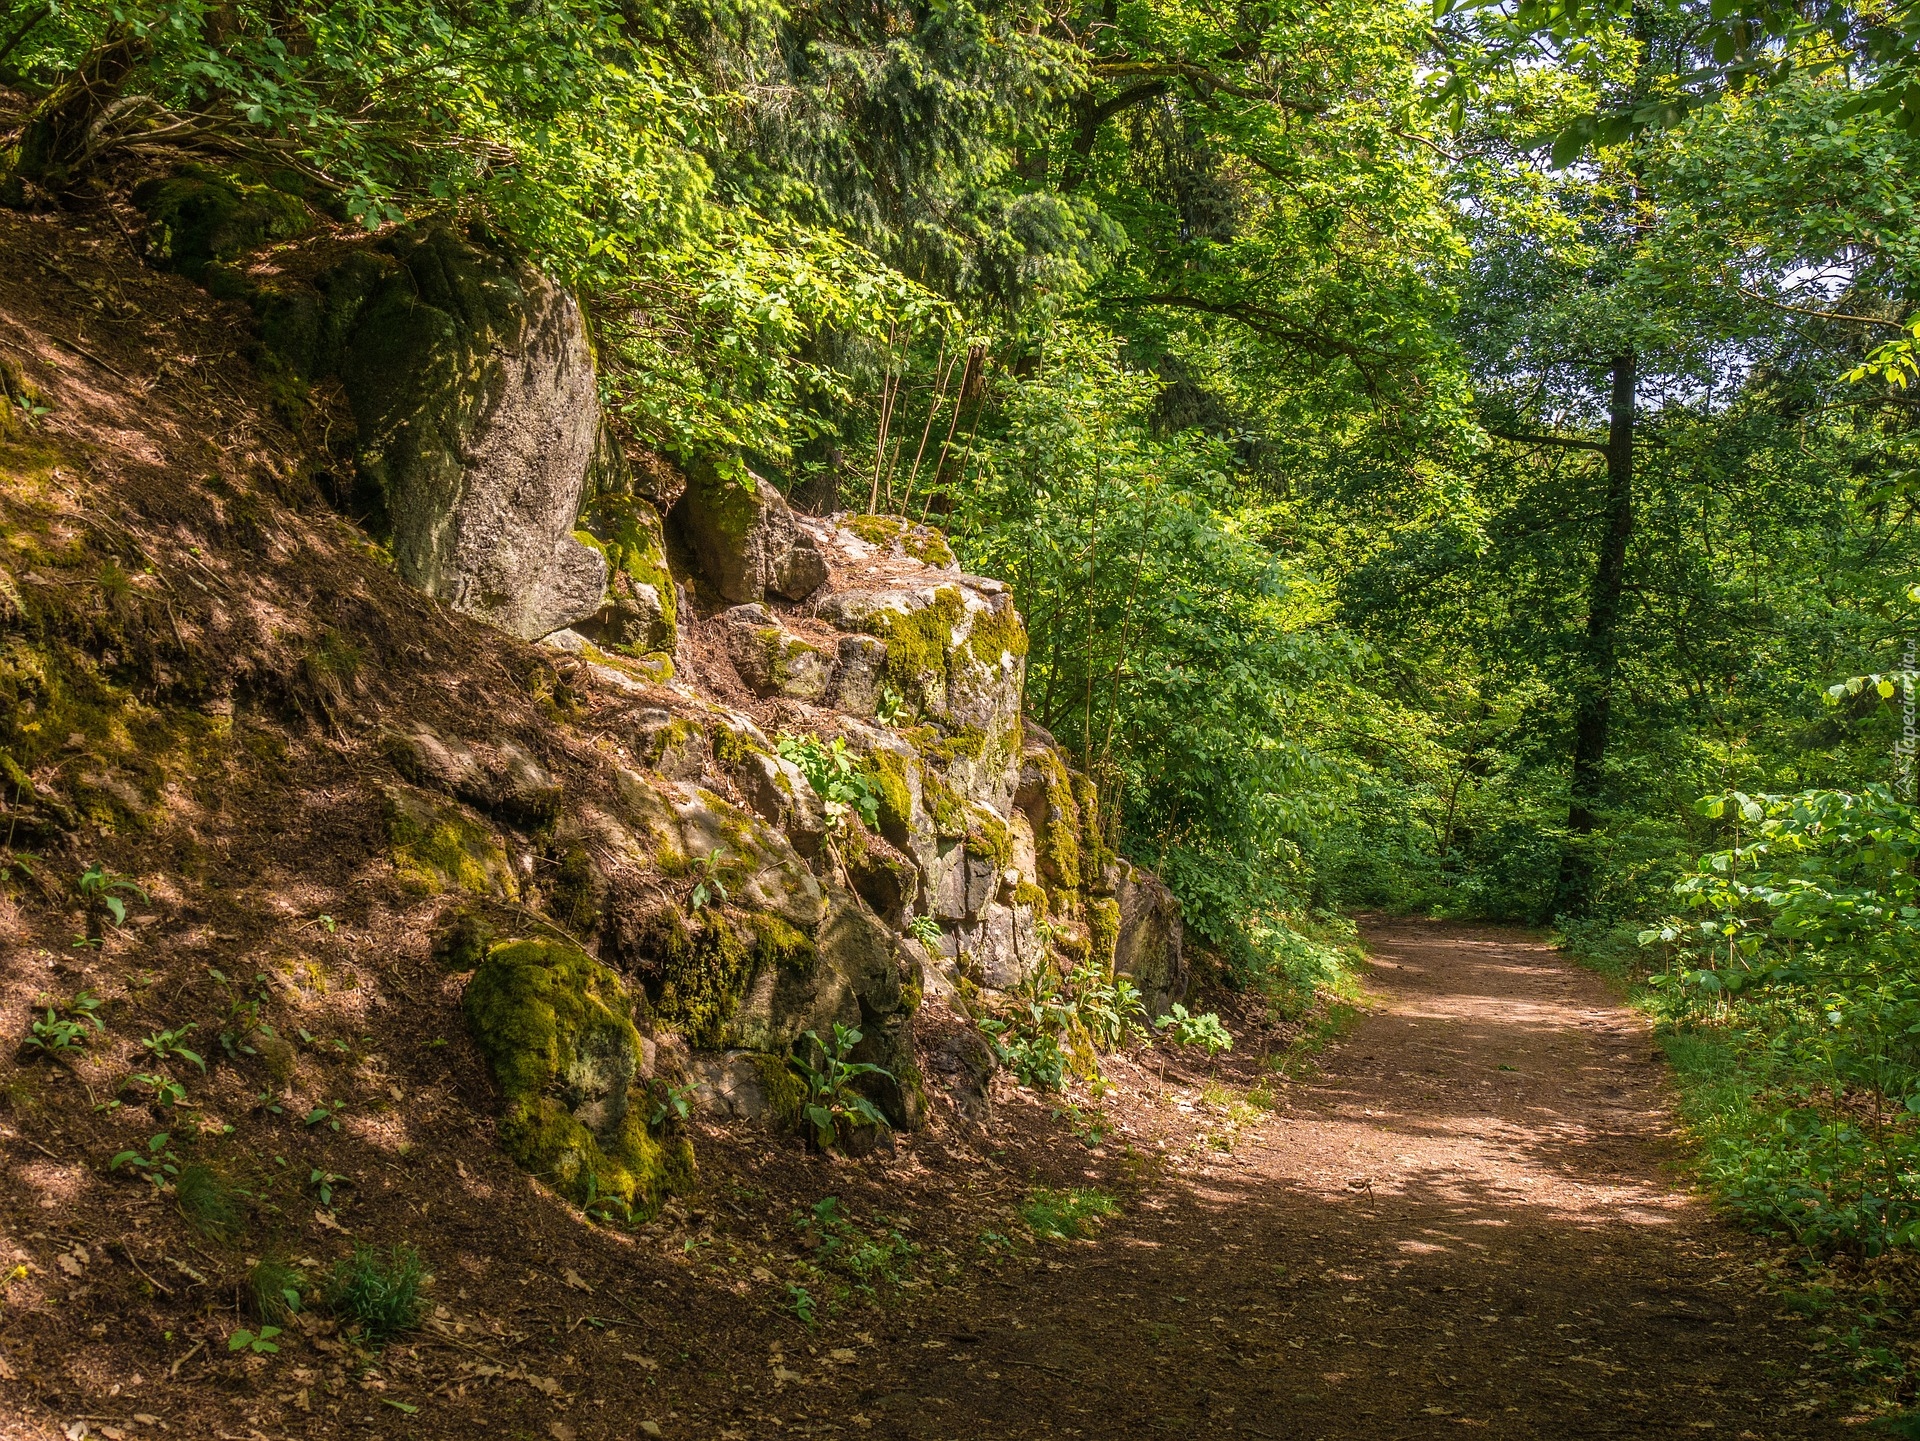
(833, 1105)
(1190, 1030)
(834, 775)
(1067, 1215)
(381, 1294)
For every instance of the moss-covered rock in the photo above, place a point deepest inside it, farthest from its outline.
(556, 1029)
(437, 847)
(771, 659)
(201, 217)
(462, 939)
(642, 611)
(742, 534)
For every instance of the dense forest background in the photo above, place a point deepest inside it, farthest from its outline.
(1432, 454)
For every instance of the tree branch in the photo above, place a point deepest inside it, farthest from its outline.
(1570, 442)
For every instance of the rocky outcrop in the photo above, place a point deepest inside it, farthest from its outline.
(742, 533)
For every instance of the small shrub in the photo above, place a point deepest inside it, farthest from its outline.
(62, 1033)
(276, 1290)
(834, 775)
(1067, 1215)
(926, 930)
(833, 1105)
(209, 1203)
(1190, 1030)
(379, 1293)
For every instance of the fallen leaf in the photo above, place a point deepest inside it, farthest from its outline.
(781, 1373)
(113, 1433)
(651, 1428)
(842, 1353)
(71, 1264)
(561, 1431)
(572, 1278)
(646, 1362)
(761, 1273)
(398, 1405)
(146, 1420)
(546, 1385)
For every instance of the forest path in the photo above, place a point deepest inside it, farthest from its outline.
(1464, 1224)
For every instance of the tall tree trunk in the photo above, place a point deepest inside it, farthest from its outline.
(1573, 892)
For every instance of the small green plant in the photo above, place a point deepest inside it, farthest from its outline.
(709, 887)
(892, 708)
(830, 1235)
(1067, 1215)
(21, 861)
(210, 1205)
(327, 1113)
(322, 1184)
(62, 1033)
(380, 1294)
(675, 1102)
(260, 1342)
(167, 1092)
(832, 1102)
(157, 1162)
(165, 1045)
(1029, 1046)
(104, 894)
(1189, 1030)
(276, 1289)
(801, 1300)
(926, 930)
(834, 774)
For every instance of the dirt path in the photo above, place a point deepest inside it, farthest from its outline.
(1465, 1224)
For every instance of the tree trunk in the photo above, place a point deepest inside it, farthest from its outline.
(56, 146)
(1573, 892)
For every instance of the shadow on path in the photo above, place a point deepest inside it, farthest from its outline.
(1467, 1224)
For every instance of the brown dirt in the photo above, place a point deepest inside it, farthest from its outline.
(1468, 1223)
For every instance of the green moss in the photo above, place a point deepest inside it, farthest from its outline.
(944, 805)
(778, 944)
(995, 633)
(920, 645)
(927, 546)
(628, 532)
(698, 975)
(989, 839)
(880, 530)
(556, 1029)
(732, 747)
(201, 216)
(1058, 838)
(970, 742)
(786, 1092)
(462, 940)
(1028, 894)
(1103, 930)
(889, 774)
(437, 847)
(577, 891)
(1096, 855)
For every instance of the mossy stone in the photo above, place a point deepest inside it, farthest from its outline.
(200, 216)
(438, 847)
(462, 940)
(556, 1028)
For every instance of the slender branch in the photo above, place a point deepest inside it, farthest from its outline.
(1820, 314)
(1570, 442)
(25, 28)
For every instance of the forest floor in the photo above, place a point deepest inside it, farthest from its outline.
(1469, 1221)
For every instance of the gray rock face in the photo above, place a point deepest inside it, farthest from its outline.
(1149, 946)
(473, 389)
(741, 532)
(771, 659)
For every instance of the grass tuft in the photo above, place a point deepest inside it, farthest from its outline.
(1067, 1215)
(209, 1204)
(379, 1293)
(276, 1288)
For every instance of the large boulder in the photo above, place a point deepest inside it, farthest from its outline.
(557, 1031)
(742, 535)
(1147, 946)
(472, 387)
